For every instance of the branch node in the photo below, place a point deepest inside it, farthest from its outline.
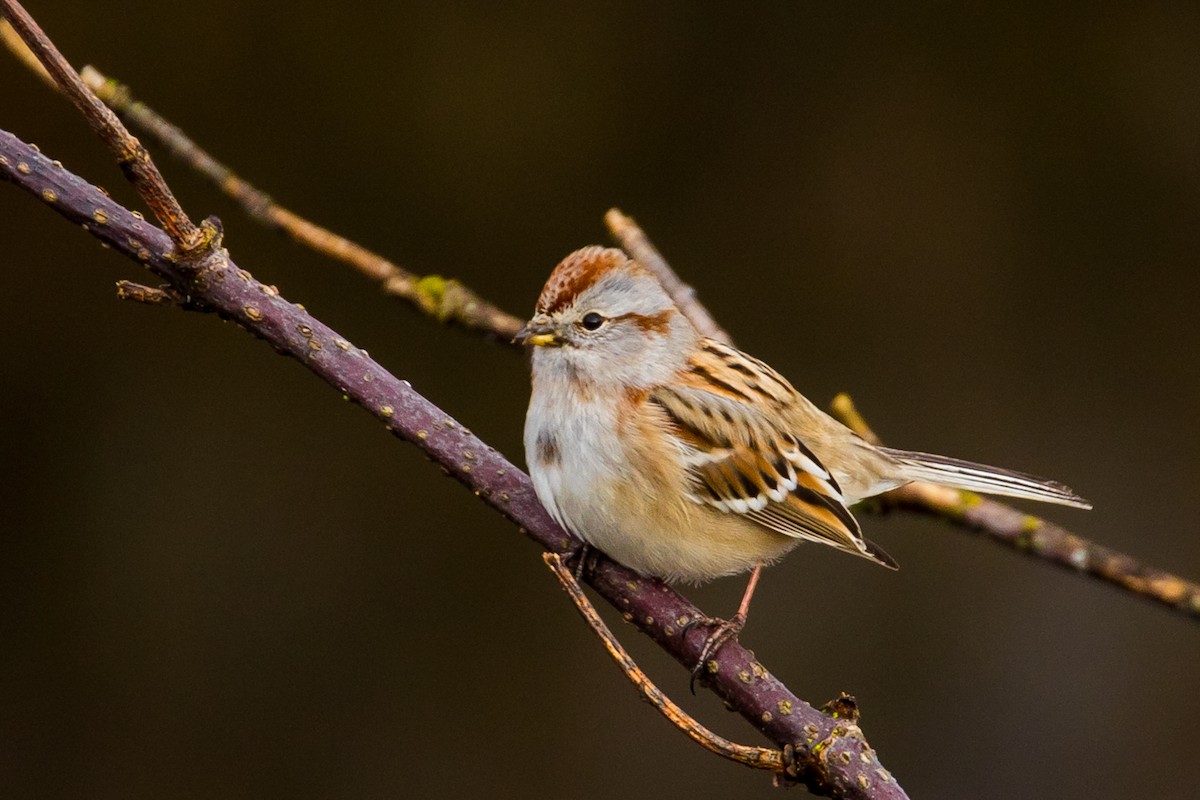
(431, 294)
(212, 235)
(844, 706)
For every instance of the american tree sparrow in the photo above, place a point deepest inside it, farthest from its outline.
(685, 458)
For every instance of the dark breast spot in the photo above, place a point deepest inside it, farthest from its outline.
(547, 449)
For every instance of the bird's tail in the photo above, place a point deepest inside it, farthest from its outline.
(983, 479)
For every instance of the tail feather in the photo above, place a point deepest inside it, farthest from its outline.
(981, 478)
(879, 555)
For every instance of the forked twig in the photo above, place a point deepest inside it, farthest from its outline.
(445, 299)
(756, 757)
(131, 156)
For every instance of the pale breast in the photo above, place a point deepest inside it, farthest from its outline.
(573, 459)
(626, 494)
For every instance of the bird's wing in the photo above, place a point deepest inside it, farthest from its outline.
(741, 462)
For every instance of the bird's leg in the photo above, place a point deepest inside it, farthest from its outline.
(723, 629)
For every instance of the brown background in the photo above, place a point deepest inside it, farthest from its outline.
(219, 580)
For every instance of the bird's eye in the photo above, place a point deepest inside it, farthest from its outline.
(592, 320)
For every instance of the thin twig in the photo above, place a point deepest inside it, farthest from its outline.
(831, 755)
(756, 757)
(1029, 534)
(637, 244)
(445, 299)
(131, 156)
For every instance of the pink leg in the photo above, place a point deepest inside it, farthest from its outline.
(751, 585)
(724, 630)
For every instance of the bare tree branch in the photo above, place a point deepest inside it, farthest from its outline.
(445, 299)
(1049, 542)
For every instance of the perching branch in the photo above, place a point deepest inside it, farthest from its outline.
(449, 300)
(781, 762)
(828, 754)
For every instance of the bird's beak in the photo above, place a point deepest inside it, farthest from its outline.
(539, 333)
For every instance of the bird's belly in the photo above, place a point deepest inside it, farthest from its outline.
(708, 544)
(671, 538)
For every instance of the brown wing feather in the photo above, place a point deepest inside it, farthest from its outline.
(743, 463)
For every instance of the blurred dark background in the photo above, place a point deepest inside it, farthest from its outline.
(219, 580)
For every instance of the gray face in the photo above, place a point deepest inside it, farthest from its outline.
(621, 331)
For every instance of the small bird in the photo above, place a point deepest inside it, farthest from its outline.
(687, 459)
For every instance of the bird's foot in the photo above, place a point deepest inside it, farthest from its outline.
(585, 557)
(722, 631)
